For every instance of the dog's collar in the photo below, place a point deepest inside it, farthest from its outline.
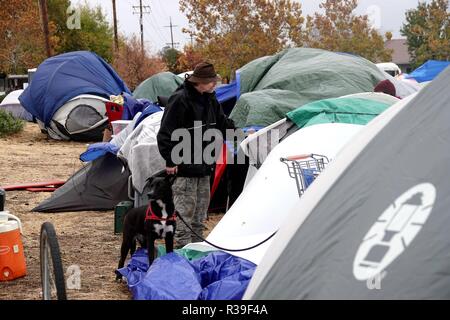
(150, 215)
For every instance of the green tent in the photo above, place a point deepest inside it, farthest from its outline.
(161, 84)
(341, 110)
(274, 85)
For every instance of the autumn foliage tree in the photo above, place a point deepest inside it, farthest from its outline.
(22, 44)
(427, 32)
(340, 29)
(170, 57)
(21, 38)
(132, 66)
(189, 58)
(231, 33)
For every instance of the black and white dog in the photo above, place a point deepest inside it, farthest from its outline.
(148, 223)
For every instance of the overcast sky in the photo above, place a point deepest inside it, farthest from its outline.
(388, 15)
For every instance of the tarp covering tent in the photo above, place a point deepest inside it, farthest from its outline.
(274, 85)
(355, 108)
(341, 110)
(12, 104)
(377, 218)
(161, 84)
(215, 276)
(140, 151)
(60, 78)
(100, 185)
(428, 71)
(227, 92)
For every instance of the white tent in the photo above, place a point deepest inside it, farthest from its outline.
(390, 67)
(263, 205)
(12, 104)
(81, 118)
(303, 207)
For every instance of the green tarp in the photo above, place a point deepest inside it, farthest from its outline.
(272, 86)
(161, 84)
(344, 110)
(189, 254)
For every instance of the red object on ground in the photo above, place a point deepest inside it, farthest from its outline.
(12, 258)
(50, 183)
(114, 111)
(40, 189)
(221, 164)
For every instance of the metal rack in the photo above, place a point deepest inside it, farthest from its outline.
(304, 169)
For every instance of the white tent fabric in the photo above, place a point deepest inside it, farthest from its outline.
(12, 98)
(96, 102)
(12, 104)
(140, 151)
(389, 67)
(403, 89)
(302, 207)
(122, 136)
(263, 205)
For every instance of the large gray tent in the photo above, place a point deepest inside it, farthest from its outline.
(100, 185)
(375, 224)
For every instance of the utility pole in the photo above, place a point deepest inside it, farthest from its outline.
(171, 34)
(116, 40)
(44, 16)
(141, 21)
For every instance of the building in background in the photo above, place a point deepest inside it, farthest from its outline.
(400, 56)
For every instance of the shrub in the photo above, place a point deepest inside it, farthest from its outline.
(9, 124)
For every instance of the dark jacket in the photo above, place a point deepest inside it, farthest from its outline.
(185, 106)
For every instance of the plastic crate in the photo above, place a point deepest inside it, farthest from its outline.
(120, 211)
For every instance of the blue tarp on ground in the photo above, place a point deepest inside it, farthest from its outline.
(217, 276)
(63, 77)
(428, 71)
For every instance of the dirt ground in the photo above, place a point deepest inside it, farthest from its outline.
(85, 238)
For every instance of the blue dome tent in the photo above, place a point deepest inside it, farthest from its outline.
(82, 78)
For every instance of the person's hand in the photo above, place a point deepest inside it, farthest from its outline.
(171, 170)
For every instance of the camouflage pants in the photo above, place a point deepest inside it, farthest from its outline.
(191, 199)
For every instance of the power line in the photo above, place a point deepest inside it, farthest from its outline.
(162, 8)
(157, 30)
(141, 20)
(150, 35)
(171, 33)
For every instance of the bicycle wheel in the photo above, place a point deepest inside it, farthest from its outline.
(52, 272)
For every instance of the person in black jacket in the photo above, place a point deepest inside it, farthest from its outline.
(191, 111)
